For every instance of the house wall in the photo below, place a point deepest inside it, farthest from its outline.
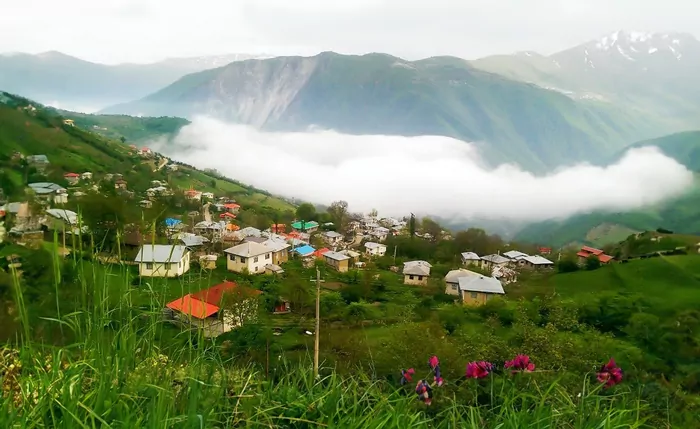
(147, 269)
(452, 288)
(254, 265)
(280, 257)
(341, 266)
(488, 265)
(475, 298)
(380, 251)
(409, 279)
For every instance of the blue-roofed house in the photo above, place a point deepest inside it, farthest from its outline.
(305, 251)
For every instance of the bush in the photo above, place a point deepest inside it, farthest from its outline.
(567, 266)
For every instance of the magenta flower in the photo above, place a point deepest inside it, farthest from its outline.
(521, 363)
(478, 369)
(610, 374)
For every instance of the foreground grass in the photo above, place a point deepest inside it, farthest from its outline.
(127, 369)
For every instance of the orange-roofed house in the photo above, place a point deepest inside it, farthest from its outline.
(586, 252)
(232, 208)
(193, 307)
(72, 178)
(192, 194)
(227, 215)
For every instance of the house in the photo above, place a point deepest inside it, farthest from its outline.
(69, 122)
(162, 260)
(278, 228)
(537, 262)
(452, 280)
(232, 208)
(488, 262)
(544, 250)
(309, 227)
(208, 195)
(332, 238)
(146, 204)
(156, 183)
(227, 215)
(476, 290)
(283, 306)
(416, 273)
(171, 167)
(72, 178)
(375, 249)
(586, 252)
(504, 274)
(354, 256)
(208, 262)
(248, 257)
(120, 184)
(320, 252)
(145, 151)
(279, 250)
(192, 194)
(305, 251)
(470, 258)
(50, 192)
(40, 162)
(64, 221)
(380, 232)
(86, 176)
(249, 231)
(173, 225)
(204, 310)
(273, 269)
(192, 241)
(337, 261)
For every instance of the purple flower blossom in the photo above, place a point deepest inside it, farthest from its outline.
(610, 374)
(521, 363)
(478, 369)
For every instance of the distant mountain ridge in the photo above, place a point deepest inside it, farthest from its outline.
(510, 121)
(59, 79)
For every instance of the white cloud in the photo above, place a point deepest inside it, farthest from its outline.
(429, 175)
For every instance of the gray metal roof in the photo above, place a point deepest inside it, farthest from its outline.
(470, 256)
(275, 245)
(332, 234)
(538, 260)
(454, 275)
(65, 215)
(193, 239)
(274, 268)
(260, 240)
(496, 259)
(372, 245)
(46, 187)
(515, 254)
(161, 253)
(248, 249)
(249, 231)
(336, 256)
(480, 284)
(416, 268)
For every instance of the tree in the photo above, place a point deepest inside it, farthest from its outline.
(339, 213)
(306, 212)
(122, 139)
(412, 225)
(431, 227)
(592, 263)
(567, 265)
(373, 213)
(241, 305)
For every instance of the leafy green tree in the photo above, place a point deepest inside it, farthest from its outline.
(592, 263)
(412, 225)
(306, 212)
(338, 211)
(567, 265)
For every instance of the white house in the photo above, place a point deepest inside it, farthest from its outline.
(489, 262)
(332, 238)
(470, 258)
(163, 260)
(375, 249)
(416, 272)
(537, 262)
(380, 232)
(250, 256)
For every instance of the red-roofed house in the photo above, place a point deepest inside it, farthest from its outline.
(72, 178)
(587, 252)
(232, 207)
(227, 215)
(193, 307)
(192, 194)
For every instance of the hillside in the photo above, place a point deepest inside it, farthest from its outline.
(381, 94)
(680, 215)
(650, 73)
(68, 82)
(73, 149)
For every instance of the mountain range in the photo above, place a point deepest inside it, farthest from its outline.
(68, 82)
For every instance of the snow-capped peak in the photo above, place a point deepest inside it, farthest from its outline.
(635, 45)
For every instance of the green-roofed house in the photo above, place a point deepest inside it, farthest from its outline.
(302, 226)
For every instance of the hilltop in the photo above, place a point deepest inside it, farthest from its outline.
(28, 128)
(380, 94)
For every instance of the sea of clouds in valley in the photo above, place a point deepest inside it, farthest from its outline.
(427, 175)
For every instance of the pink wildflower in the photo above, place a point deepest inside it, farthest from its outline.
(478, 369)
(610, 374)
(521, 363)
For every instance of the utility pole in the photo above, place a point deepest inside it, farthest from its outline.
(318, 320)
(395, 254)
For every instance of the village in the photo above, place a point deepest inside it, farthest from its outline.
(211, 237)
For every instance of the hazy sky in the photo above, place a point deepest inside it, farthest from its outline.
(114, 31)
(427, 175)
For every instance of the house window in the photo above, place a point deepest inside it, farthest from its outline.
(454, 287)
(242, 260)
(255, 260)
(149, 265)
(410, 277)
(473, 295)
(267, 256)
(232, 257)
